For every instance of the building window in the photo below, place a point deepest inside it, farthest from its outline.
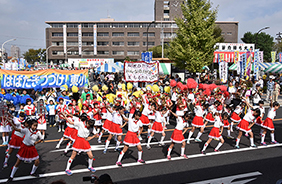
(120, 53)
(87, 43)
(57, 43)
(103, 25)
(103, 43)
(133, 25)
(166, 19)
(103, 34)
(166, 11)
(229, 33)
(118, 25)
(103, 52)
(149, 43)
(146, 25)
(72, 43)
(58, 53)
(133, 53)
(57, 34)
(72, 34)
(118, 34)
(118, 43)
(133, 34)
(87, 25)
(167, 35)
(132, 43)
(149, 34)
(57, 25)
(87, 34)
(87, 53)
(166, 2)
(72, 25)
(222, 33)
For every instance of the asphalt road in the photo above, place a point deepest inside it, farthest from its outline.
(245, 165)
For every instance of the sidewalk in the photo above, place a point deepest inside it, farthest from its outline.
(266, 104)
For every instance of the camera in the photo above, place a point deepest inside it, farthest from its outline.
(91, 178)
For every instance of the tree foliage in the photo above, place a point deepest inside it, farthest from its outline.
(193, 47)
(217, 34)
(264, 43)
(157, 51)
(35, 55)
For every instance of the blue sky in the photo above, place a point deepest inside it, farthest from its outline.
(25, 19)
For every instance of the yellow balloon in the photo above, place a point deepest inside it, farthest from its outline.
(264, 76)
(129, 86)
(167, 89)
(95, 88)
(74, 89)
(155, 88)
(66, 86)
(123, 86)
(105, 88)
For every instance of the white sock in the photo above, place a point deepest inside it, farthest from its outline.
(33, 169)
(162, 139)
(120, 156)
(115, 137)
(167, 120)
(218, 146)
(149, 140)
(252, 141)
(100, 136)
(7, 157)
(107, 144)
(272, 137)
(117, 144)
(7, 138)
(60, 142)
(231, 127)
(69, 164)
(190, 135)
(261, 131)
(182, 151)
(228, 132)
(149, 132)
(262, 138)
(237, 142)
(199, 135)
(98, 130)
(90, 162)
(43, 136)
(14, 170)
(3, 139)
(169, 151)
(205, 147)
(140, 155)
(68, 146)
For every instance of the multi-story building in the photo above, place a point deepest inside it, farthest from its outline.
(15, 51)
(108, 38)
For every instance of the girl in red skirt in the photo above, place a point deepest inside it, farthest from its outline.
(235, 116)
(16, 138)
(215, 133)
(246, 124)
(177, 135)
(198, 122)
(158, 127)
(145, 117)
(27, 151)
(116, 128)
(131, 138)
(226, 124)
(268, 123)
(81, 144)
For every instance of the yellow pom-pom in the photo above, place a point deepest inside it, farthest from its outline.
(129, 86)
(167, 89)
(105, 88)
(155, 88)
(95, 88)
(264, 76)
(74, 89)
(123, 86)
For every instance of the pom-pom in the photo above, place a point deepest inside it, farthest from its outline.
(200, 86)
(226, 94)
(172, 83)
(191, 83)
(205, 86)
(155, 88)
(179, 85)
(95, 88)
(167, 89)
(129, 85)
(223, 88)
(207, 92)
(185, 87)
(74, 89)
(212, 87)
(123, 87)
(105, 88)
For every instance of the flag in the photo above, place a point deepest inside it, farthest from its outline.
(248, 63)
(280, 57)
(256, 60)
(273, 56)
(236, 56)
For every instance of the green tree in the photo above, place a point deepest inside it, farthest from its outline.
(157, 51)
(217, 34)
(264, 43)
(35, 55)
(193, 47)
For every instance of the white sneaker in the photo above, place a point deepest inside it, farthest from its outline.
(58, 146)
(148, 147)
(188, 141)
(59, 130)
(140, 138)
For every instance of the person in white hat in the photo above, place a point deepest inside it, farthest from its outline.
(270, 88)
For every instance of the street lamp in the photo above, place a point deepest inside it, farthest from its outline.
(67, 54)
(3, 48)
(83, 51)
(258, 33)
(148, 33)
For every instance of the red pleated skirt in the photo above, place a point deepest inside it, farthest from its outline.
(70, 133)
(226, 123)
(198, 121)
(15, 142)
(177, 136)
(235, 117)
(81, 145)
(107, 125)
(115, 129)
(244, 126)
(131, 139)
(268, 124)
(157, 127)
(210, 118)
(27, 153)
(258, 121)
(144, 119)
(214, 133)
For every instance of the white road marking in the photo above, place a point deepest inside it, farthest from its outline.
(138, 164)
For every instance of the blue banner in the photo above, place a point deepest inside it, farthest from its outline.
(147, 57)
